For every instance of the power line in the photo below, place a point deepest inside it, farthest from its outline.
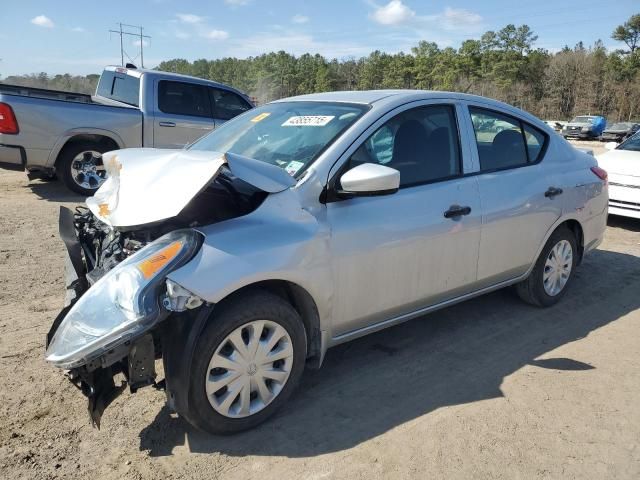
(138, 35)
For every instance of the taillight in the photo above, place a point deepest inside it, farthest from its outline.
(8, 123)
(601, 173)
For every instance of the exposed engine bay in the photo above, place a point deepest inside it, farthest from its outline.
(103, 246)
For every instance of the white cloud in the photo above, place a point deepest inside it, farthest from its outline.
(299, 19)
(136, 43)
(293, 43)
(459, 18)
(393, 13)
(78, 29)
(216, 34)
(182, 35)
(236, 2)
(189, 18)
(42, 21)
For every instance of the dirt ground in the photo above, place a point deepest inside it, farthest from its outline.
(491, 388)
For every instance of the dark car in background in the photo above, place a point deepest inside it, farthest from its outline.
(618, 132)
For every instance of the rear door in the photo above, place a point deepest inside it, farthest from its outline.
(519, 205)
(226, 105)
(183, 114)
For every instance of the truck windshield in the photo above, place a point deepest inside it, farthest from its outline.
(290, 135)
(119, 86)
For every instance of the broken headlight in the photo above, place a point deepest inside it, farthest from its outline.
(123, 303)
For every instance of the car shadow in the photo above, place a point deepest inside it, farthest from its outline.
(631, 224)
(454, 356)
(53, 191)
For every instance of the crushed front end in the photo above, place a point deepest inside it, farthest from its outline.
(117, 298)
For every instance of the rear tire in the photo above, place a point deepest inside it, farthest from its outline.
(72, 160)
(210, 387)
(547, 284)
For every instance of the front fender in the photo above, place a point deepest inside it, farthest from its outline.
(278, 241)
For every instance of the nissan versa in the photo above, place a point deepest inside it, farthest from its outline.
(306, 223)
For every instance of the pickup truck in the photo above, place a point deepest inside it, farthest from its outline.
(51, 133)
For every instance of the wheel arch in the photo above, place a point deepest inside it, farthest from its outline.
(303, 303)
(97, 136)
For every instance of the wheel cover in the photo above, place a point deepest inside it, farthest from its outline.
(557, 268)
(87, 170)
(249, 369)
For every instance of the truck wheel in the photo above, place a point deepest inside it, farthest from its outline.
(553, 271)
(80, 166)
(247, 362)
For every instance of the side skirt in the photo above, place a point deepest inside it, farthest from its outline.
(346, 337)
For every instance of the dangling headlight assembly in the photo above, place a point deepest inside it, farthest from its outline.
(124, 303)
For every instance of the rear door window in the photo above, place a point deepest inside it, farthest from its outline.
(180, 98)
(227, 104)
(504, 141)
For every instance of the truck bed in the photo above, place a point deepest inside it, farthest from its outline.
(45, 93)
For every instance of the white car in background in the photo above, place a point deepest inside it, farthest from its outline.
(622, 162)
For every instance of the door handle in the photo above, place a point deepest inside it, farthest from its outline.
(552, 192)
(167, 124)
(457, 211)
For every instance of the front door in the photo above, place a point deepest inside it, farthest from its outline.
(397, 253)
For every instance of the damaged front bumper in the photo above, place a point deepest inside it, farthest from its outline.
(132, 358)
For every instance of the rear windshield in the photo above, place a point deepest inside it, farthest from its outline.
(290, 135)
(119, 86)
(632, 144)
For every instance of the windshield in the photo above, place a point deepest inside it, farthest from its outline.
(632, 144)
(290, 135)
(583, 120)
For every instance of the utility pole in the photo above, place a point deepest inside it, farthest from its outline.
(123, 32)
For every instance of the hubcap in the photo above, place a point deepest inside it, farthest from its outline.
(557, 268)
(87, 170)
(249, 369)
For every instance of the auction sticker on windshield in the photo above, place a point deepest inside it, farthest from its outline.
(260, 117)
(308, 121)
(293, 167)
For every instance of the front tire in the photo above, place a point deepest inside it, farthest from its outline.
(553, 271)
(247, 362)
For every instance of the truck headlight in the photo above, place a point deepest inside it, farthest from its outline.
(121, 305)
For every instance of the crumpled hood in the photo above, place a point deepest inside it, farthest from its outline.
(146, 185)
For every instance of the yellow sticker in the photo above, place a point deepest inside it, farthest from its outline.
(260, 117)
(104, 210)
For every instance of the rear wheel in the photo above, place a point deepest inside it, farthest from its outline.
(80, 167)
(553, 271)
(247, 362)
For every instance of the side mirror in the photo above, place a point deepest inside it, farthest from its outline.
(610, 145)
(369, 179)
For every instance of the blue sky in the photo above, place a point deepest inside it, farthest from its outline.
(72, 36)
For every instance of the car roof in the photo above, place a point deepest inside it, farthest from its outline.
(384, 99)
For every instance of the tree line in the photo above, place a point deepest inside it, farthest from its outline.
(501, 64)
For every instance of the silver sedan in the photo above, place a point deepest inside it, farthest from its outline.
(306, 223)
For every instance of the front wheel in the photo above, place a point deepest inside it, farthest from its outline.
(247, 363)
(553, 271)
